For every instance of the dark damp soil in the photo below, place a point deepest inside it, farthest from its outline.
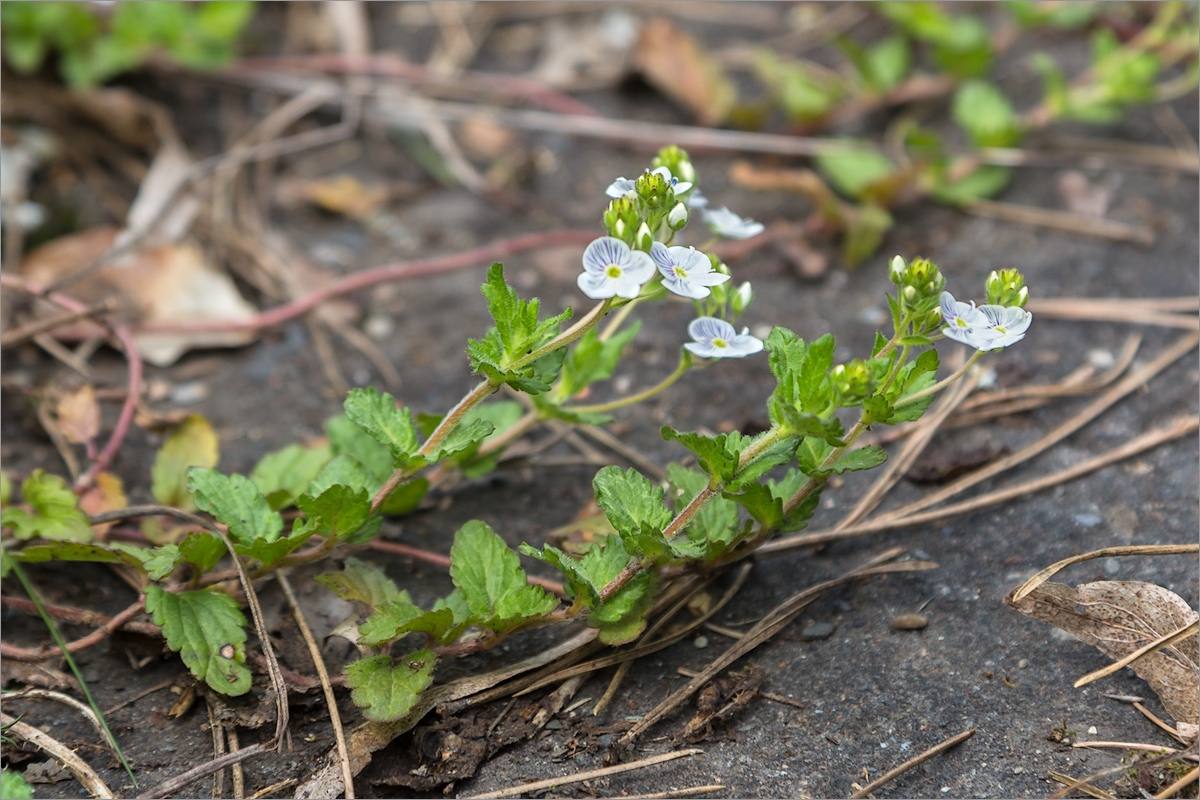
(870, 696)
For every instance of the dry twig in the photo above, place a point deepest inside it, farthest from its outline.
(335, 718)
(896, 772)
(65, 755)
(551, 783)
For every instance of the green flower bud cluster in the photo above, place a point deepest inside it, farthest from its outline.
(650, 210)
(655, 191)
(852, 382)
(622, 219)
(919, 280)
(675, 159)
(1007, 288)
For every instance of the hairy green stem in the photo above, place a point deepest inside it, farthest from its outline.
(481, 392)
(572, 333)
(685, 361)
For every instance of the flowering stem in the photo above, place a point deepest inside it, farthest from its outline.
(619, 319)
(937, 387)
(685, 361)
(566, 337)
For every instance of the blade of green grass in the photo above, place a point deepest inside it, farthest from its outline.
(62, 645)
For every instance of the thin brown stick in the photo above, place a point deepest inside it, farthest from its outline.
(144, 693)
(916, 444)
(59, 697)
(1148, 714)
(1130, 383)
(625, 451)
(1081, 786)
(239, 776)
(578, 777)
(1151, 748)
(217, 728)
(94, 638)
(17, 336)
(1047, 573)
(1060, 220)
(770, 625)
(1181, 427)
(65, 755)
(1166, 640)
(274, 787)
(1097, 310)
(335, 718)
(896, 772)
(63, 354)
(691, 791)
(173, 785)
(1179, 785)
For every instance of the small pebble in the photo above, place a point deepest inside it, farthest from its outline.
(1092, 731)
(910, 622)
(1023, 663)
(701, 642)
(1018, 770)
(945, 790)
(817, 630)
(1087, 520)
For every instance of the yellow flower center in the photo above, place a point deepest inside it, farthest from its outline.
(613, 271)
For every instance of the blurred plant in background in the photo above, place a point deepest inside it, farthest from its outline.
(95, 42)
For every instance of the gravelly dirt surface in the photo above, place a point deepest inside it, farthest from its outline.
(872, 696)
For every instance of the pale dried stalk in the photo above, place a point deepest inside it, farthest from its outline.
(551, 783)
(65, 755)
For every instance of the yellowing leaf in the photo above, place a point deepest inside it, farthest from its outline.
(105, 494)
(192, 444)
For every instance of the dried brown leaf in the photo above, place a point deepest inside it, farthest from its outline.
(1118, 617)
(78, 414)
(106, 493)
(680, 67)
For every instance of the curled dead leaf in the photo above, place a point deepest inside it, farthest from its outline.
(1119, 617)
(680, 67)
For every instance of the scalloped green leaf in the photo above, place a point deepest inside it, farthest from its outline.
(715, 527)
(630, 500)
(75, 551)
(364, 584)
(237, 503)
(202, 549)
(376, 414)
(54, 511)
(493, 584)
(387, 690)
(341, 512)
(718, 458)
(208, 631)
(395, 620)
(283, 475)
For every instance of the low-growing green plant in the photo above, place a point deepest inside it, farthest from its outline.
(745, 490)
(95, 42)
(1158, 64)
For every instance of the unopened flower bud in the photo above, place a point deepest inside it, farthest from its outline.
(852, 381)
(655, 190)
(678, 217)
(644, 238)
(897, 270)
(1007, 288)
(742, 298)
